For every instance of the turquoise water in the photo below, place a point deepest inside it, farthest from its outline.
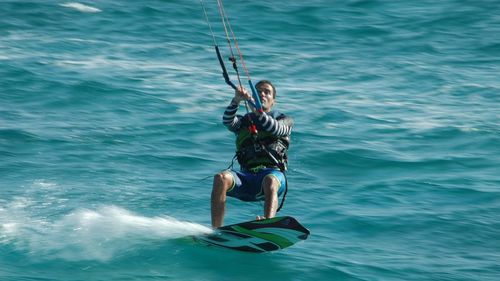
(110, 131)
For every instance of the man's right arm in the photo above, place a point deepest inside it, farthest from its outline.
(230, 119)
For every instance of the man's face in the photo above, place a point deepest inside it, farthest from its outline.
(266, 95)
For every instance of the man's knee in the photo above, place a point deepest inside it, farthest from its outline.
(223, 180)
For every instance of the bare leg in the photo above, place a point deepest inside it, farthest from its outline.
(222, 182)
(270, 185)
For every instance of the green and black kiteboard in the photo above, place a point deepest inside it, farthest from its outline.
(257, 236)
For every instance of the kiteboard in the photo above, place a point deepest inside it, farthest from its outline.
(257, 236)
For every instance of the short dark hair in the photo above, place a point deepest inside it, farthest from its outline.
(266, 82)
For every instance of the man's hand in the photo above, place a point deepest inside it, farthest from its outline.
(242, 94)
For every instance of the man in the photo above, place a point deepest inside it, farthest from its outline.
(262, 139)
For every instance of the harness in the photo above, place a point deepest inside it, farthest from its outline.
(269, 152)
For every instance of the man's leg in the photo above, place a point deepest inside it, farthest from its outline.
(270, 185)
(223, 181)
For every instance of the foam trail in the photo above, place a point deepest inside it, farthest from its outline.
(81, 7)
(91, 235)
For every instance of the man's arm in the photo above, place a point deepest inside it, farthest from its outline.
(278, 127)
(230, 119)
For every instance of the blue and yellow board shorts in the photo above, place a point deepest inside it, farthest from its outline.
(247, 185)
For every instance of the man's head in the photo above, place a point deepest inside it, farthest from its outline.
(267, 94)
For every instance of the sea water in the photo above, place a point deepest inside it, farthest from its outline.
(110, 132)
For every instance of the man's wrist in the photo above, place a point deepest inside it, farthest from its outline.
(234, 101)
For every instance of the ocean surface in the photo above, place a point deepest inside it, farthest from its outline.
(110, 133)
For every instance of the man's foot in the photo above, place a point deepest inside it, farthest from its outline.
(259, 218)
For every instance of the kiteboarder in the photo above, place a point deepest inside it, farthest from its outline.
(262, 140)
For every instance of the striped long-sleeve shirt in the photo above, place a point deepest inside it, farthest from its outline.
(279, 126)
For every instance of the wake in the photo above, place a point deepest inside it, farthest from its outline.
(90, 234)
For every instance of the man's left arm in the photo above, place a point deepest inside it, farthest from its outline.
(280, 127)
